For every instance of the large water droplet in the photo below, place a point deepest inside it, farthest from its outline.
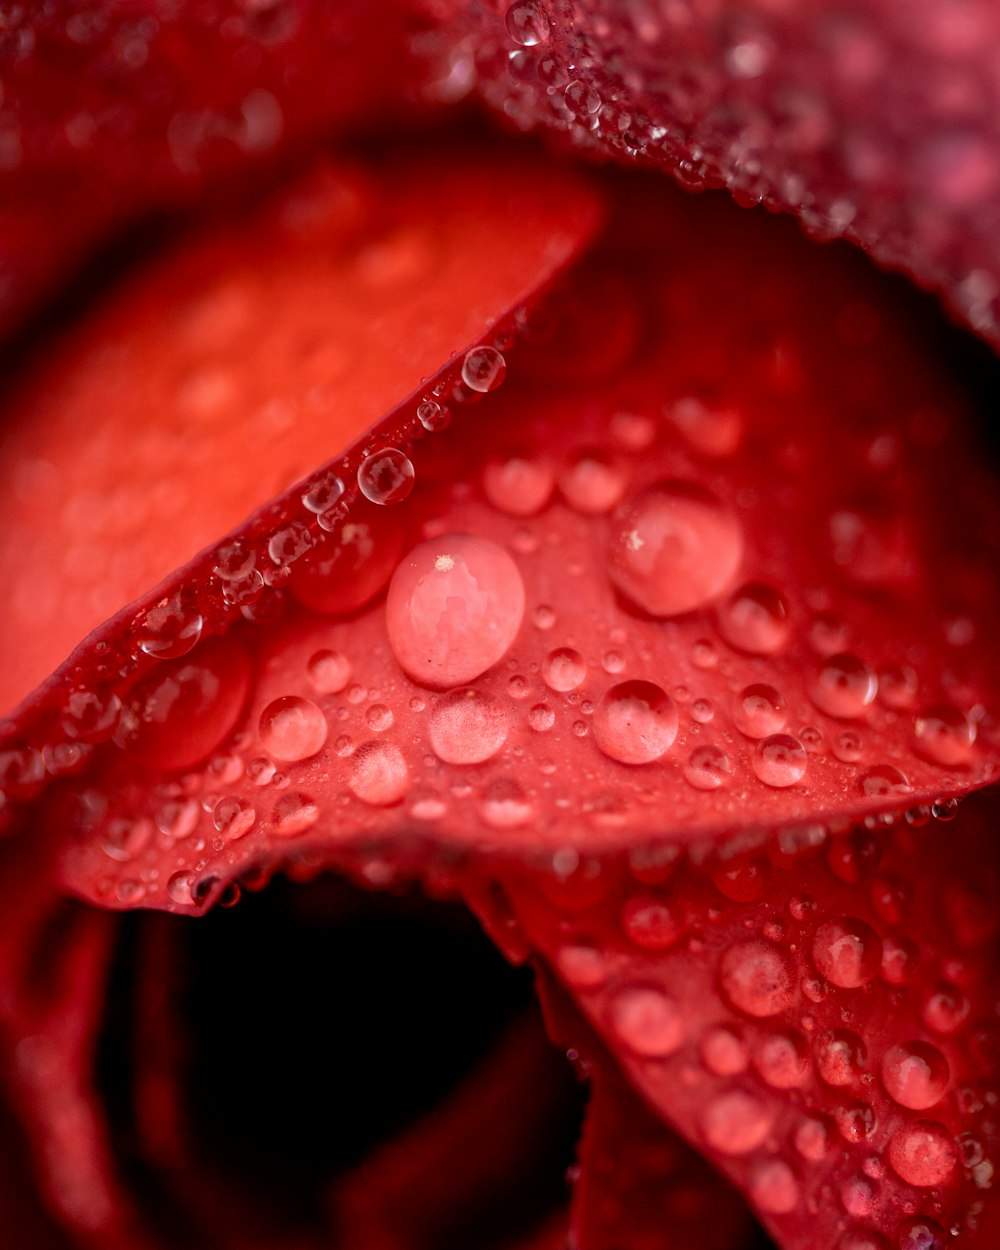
(759, 711)
(483, 369)
(755, 619)
(945, 736)
(922, 1153)
(386, 477)
(635, 722)
(648, 1022)
(167, 630)
(467, 727)
(757, 978)
(780, 761)
(379, 774)
(292, 728)
(915, 1074)
(527, 23)
(454, 608)
(735, 1123)
(847, 952)
(674, 547)
(844, 686)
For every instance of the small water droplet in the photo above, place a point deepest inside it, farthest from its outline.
(945, 1009)
(294, 814)
(674, 547)
(921, 1233)
(736, 1123)
(234, 818)
(592, 483)
(483, 369)
(844, 687)
(329, 672)
(168, 630)
(467, 727)
(125, 838)
(922, 1153)
(564, 669)
(181, 887)
(454, 608)
(840, 1057)
(773, 1188)
(635, 722)
(708, 768)
(433, 416)
(915, 1074)
(847, 952)
(518, 485)
(386, 477)
(648, 922)
(756, 976)
(504, 805)
(755, 619)
(292, 728)
(90, 715)
(541, 718)
(723, 1051)
(782, 1059)
(945, 736)
(323, 493)
(882, 780)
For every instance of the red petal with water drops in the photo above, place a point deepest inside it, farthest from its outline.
(817, 1016)
(873, 121)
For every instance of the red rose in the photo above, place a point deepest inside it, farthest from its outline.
(644, 630)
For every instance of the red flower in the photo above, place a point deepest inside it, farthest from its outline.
(629, 630)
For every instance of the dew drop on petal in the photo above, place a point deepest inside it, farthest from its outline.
(518, 485)
(736, 1123)
(90, 716)
(944, 735)
(167, 630)
(386, 477)
(592, 483)
(541, 718)
(454, 608)
(504, 805)
(483, 369)
(563, 669)
(915, 1075)
(844, 687)
(708, 768)
(674, 547)
(379, 774)
(234, 818)
(527, 23)
(847, 952)
(782, 1060)
(921, 1233)
(773, 1188)
(757, 978)
(922, 1153)
(292, 728)
(635, 722)
(840, 1057)
(647, 1021)
(180, 888)
(723, 1051)
(754, 619)
(329, 672)
(294, 814)
(759, 711)
(883, 780)
(648, 922)
(780, 761)
(467, 727)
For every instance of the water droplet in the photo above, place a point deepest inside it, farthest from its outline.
(234, 818)
(708, 768)
(583, 966)
(563, 669)
(454, 608)
(592, 484)
(648, 922)
(504, 805)
(757, 978)
(812, 1139)
(847, 952)
(433, 416)
(897, 687)
(329, 672)
(90, 715)
(323, 493)
(483, 369)
(945, 1009)
(386, 477)
(736, 1123)
(125, 838)
(541, 718)
(759, 711)
(518, 485)
(723, 1051)
(293, 814)
(350, 567)
(181, 887)
(379, 774)
(178, 818)
(773, 1188)
(915, 1074)
(945, 736)
(527, 23)
(900, 960)
(635, 722)
(780, 761)
(292, 728)
(782, 1059)
(921, 1233)
(168, 630)
(646, 1021)
(845, 686)
(755, 619)
(467, 727)
(922, 1153)
(674, 547)
(288, 544)
(883, 780)
(840, 1057)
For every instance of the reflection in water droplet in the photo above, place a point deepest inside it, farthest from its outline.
(386, 477)
(708, 768)
(780, 761)
(527, 23)
(759, 711)
(504, 805)
(635, 722)
(167, 630)
(483, 369)
(467, 727)
(454, 608)
(883, 779)
(234, 818)
(915, 1074)
(723, 1051)
(840, 1057)
(292, 728)
(674, 547)
(563, 669)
